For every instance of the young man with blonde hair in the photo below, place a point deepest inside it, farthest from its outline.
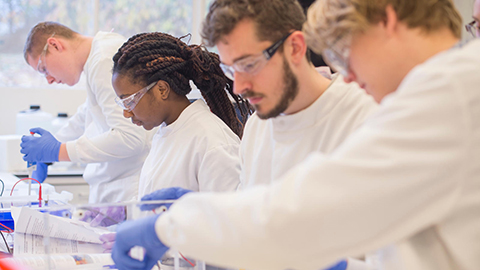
(97, 134)
(404, 186)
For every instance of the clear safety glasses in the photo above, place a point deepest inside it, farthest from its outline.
(42, 65)
(131, 101)
(473, 29)
(337, 56)
(253, 64)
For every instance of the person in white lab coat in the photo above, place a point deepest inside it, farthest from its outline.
(97, 134)
(298, 111)
(412, 170)
(474, 26)
(193, 148)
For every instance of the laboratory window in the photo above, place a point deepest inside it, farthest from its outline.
(127, 17)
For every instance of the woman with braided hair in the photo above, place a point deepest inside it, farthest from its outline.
(196, 146)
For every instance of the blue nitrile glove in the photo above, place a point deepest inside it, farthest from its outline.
(140, 232)
(172, 193)
(41, 172)
(341, 265)
(104, 216)
(40, 149)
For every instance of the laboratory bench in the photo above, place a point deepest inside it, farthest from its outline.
(67, 176)
(74, 184)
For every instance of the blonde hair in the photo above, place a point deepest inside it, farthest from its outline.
(329, 21)
(38, 35)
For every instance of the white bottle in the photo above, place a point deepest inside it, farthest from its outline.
(58, 122)
(34, 117)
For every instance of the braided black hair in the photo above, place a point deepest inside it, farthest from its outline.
(150, 57)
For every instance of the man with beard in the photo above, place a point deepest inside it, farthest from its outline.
(298, 111)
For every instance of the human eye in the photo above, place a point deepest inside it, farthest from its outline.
(250, 65)
(129, 101)
(42, 69)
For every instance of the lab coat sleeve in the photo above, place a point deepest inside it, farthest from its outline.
(123, 139)
(398, 174)
(220, 169)
(75, 126)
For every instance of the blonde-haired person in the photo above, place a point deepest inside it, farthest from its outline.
(413, 168)
(97, 134)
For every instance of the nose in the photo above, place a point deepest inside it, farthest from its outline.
(127, 114)
(351, 77)
(241, 83)
(50, 79)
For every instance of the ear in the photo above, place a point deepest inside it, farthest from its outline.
(391, 20)
(164, 89)
(56, 43)
(297, 47)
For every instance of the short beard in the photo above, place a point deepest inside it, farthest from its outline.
(290, 91)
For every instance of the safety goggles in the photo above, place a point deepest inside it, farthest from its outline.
(253, 64)
(337, 56)
(473, 28)
(129, 103)
(42, 65)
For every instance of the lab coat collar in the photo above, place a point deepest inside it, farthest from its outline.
(187, 113)
(293, 123)
(99, 37)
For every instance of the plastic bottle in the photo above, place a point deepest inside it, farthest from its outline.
(34, 117)
(58, 122)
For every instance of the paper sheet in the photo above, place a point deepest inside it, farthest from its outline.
(28, 244)
(31, 221)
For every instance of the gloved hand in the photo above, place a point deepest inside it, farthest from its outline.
(104, 216)
(341, 265)
(108, 240)
(172, 193)
(140, 232)
(41, 172)
(40, 149)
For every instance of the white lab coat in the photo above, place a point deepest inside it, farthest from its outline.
(271, 147)
(198, 152)
(406, 183)
(99, 135)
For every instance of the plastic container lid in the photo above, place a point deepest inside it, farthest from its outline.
(58, 122)
(31, 118)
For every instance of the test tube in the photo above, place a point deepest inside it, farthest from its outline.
(31, 166)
